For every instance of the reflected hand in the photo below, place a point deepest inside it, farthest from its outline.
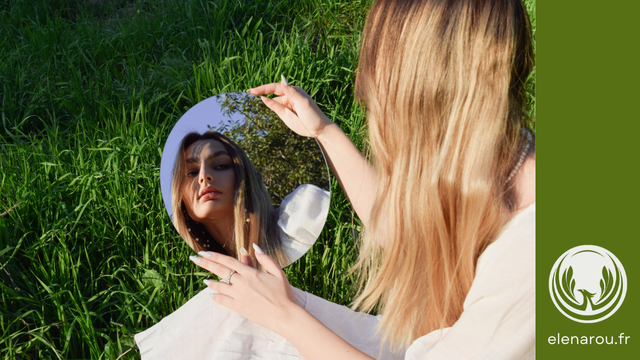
(265, 298)
(295, 107)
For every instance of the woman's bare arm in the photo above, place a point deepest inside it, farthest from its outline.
(302, 115)
(354, 173)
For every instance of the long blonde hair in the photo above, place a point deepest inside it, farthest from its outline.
(255, 221)
(444, 87)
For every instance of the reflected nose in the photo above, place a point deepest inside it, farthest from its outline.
(205, 174)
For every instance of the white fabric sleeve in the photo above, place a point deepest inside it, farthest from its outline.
(498, 321)
(302, 217)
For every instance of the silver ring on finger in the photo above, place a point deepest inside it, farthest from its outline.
(228, 280)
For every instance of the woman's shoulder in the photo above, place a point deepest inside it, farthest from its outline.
(514, 244)
(505, 271)
(306, 197)
(498, 321)
(302, 215)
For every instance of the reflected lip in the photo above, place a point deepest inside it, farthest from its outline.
(208, 190)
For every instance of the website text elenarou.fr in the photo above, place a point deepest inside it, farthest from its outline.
(621, 339)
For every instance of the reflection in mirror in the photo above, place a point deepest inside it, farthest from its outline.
(232, 174)
(284, 158)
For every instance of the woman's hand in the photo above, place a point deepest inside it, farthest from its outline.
(295, 107)
(302, 115)
(265, 298)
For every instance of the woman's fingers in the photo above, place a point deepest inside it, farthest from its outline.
(228, 261)
(222, 294)
(297, 95)
(263, 298)
(219, 264)
(289, 117)
(247, 260)
(295, 107)
(225, 301)
(273, 88)
(280, 100)
(215, 268)
(276, 106)
(267, 262)
(220, 287)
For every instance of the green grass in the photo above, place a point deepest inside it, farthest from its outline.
(89, 92)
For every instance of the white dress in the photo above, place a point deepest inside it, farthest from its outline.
(498, 321)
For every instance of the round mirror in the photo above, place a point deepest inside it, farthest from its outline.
(238, 176)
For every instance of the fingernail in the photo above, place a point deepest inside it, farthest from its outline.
(284, 80)
(206, 281)
(195, 259)
(243, 250)
(249, 90)
(257, 249)
(205, 254)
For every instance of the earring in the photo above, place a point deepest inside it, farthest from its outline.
(247, 220)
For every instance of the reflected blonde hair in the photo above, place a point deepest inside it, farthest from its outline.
(444, 86)
(251, 201)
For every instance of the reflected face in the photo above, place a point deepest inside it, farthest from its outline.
(209, 188)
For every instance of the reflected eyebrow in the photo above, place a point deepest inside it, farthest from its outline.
(193, 160)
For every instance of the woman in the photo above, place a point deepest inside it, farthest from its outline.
(220, 203)
(448, 251)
